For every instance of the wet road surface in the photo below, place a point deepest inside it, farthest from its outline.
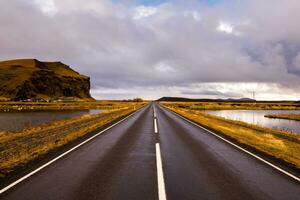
(156, 156)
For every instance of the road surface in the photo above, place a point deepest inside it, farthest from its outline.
(156, 156)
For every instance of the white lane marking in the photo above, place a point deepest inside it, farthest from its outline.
(242, 149)
(154, 113)
(62, 155)
(160, 174)
(155, 126)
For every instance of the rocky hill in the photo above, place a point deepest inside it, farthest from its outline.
(28, 79)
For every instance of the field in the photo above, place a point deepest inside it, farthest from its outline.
(19, 148)
(295, 117)
(39, 106)
(283, 146)
(236, 105)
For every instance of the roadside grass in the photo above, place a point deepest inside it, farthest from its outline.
(295, 117)
(44, 106)
(18, 148)
(235, 105)
(275, 143)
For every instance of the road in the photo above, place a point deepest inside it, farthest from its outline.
(156, 156)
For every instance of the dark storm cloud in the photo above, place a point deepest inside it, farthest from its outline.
(173, 47)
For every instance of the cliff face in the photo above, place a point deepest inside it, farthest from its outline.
(30, 78)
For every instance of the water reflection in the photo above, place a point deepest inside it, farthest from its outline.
(12, 121)
(257, 117)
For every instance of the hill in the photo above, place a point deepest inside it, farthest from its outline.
(182, 99)
(25, 79)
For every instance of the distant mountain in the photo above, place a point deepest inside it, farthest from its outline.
(27, 79)
(182, 99)
(240, 99)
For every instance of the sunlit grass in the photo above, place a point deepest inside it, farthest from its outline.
(40, 106)
(235, 105)
(295, 117)
(18, 148)
(279, 144)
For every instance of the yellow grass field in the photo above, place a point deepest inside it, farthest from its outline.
(295, 117)
(39, 106)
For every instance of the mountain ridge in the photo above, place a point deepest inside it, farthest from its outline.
(183, 99)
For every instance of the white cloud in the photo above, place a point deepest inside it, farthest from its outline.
(228, 28)
(194, 14)
(47, 6)
(143, 12)
(170, 46)
(225, 27)
(164, 67)
(263, 91)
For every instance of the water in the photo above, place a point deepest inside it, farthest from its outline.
(12, 121)
(257, 117)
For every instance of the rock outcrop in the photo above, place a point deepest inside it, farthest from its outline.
(28, 79)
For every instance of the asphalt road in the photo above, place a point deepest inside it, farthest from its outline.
(172, 160)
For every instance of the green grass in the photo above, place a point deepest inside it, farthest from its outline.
(279, 144)
(18, 148)
(295, 117)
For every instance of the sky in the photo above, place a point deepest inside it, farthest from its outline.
(155, 48)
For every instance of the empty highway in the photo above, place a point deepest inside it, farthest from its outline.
(155, 154)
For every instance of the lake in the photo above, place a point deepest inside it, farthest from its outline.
(257, 117)
(12, 121)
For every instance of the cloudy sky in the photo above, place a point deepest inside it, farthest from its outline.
(154, 48)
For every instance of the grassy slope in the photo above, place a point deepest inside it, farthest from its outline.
(18, 148)
(279, 144)
(13, 73)
(62, 70)
(27, 66)
(295, 117)
(11, 79)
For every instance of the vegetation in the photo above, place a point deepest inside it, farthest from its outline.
(39, 106)
(18, 148)
(295, 117)
(183, 99)
(235, 105)
(278, 144)
(134, 100)
(33, 80)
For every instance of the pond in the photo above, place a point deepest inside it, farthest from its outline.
(257, 117)
(12, 121)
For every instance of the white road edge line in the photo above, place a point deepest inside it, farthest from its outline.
(242, 149)
(62, 155)
(160, 174)
(155, 126)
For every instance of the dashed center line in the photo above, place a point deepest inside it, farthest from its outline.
(155, 121)
(155, 126)
(160, 175)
